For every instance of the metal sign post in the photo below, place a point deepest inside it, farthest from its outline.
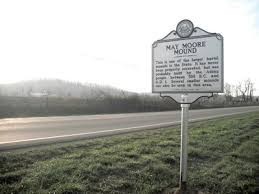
(184, 146)
(187, 64)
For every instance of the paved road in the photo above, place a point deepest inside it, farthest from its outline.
(20, 132)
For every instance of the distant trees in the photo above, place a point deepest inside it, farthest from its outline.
(246, 89)
(58, 88)
(243, 91)
(228, 92)
(240, 94)
(57, 97)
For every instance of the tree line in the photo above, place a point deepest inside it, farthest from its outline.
(243, 91)
(77, 99)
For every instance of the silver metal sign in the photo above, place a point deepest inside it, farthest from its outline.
(187, 64)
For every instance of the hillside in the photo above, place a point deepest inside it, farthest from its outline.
(58, 97)
(59, 88)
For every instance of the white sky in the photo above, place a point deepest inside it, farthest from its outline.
(109, 42)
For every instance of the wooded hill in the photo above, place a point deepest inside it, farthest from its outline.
(58, 88)
(57, 97)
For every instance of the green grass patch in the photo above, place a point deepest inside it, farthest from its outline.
(223, 158)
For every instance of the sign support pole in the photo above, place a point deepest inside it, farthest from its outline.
(184, 145)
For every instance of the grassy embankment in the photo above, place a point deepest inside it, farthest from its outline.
(223, 158)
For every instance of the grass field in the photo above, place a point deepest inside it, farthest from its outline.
(223, 158)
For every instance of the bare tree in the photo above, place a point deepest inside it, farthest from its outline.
(246, 88)
(228, 92)
(251, 92)
(123, 94)
(235, 90)
(242, 88)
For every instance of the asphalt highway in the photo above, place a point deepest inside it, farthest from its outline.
(23, 132)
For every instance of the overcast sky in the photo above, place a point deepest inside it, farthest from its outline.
(109, 42)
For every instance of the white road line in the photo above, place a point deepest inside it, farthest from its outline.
(58, 119)
(122, 129)
(90, 133)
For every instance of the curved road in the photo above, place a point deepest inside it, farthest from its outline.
(22, 132)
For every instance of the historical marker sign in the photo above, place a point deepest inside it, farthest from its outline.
(187, 64)
(191, 64)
